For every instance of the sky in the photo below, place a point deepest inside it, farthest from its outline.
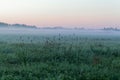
(67, 13)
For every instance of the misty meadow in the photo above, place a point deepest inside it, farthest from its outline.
(59, 39)
(59, 54)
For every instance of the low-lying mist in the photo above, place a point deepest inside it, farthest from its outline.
(13, 34)
(37, 31)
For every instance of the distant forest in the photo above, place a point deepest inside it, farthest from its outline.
(2, 24)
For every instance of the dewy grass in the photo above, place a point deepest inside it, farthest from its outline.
(60, 58)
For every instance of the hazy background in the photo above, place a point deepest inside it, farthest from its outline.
(68, 13)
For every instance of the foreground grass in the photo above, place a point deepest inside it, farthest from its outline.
(60, 60)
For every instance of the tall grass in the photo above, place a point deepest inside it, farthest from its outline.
(60, 58)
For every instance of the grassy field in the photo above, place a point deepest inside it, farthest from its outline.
(59, 57)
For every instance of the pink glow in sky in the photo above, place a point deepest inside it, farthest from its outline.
(69, 13)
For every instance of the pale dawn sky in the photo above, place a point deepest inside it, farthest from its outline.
(68, 13)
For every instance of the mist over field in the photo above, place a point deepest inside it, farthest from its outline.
(13, 34)
(37, 31)
(67, 53)
(59, 39)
